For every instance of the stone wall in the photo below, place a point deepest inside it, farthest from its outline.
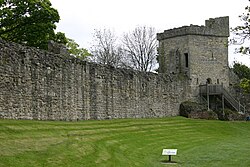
(197, 52)
(36, 84)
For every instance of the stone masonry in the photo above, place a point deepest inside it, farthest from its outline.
(41, 85)
(35, 84)
(197, 52)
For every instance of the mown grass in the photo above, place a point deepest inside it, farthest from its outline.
(124, 143)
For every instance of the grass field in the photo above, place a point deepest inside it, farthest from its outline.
(124, 143)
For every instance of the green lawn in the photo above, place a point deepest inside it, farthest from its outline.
(124, 143)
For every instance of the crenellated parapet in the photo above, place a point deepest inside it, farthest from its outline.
(199, 53)
(213, 27)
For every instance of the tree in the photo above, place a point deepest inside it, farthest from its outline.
(60, 38)
(243, 72)
(140, 48)
(241, 33)
(75, 50)
(29, 22)
(245, 85)
(105, 50)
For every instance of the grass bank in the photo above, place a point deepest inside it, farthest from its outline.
(124, 143)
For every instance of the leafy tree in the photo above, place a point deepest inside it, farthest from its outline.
(241, 34)
(75, 50)
(61, 38)
(29, 22)
(140, 48)
(243, 72)
(245, 85)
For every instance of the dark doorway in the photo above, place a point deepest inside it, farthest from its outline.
(209, 81)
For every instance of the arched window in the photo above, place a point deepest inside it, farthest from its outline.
(209, 81)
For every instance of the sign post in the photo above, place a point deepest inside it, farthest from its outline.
(169, 152)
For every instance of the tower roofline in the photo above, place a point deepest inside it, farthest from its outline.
(218, 27)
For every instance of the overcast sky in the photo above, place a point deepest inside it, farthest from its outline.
(79, 18)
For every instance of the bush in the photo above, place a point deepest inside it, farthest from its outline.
(190, 109)
(230, 115)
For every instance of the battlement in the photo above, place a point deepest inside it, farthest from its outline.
(213, 27)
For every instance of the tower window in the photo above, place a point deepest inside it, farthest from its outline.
(209, 81)
(186, 60)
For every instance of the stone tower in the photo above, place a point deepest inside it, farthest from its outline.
(200, 53)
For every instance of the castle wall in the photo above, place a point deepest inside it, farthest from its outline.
(36, 84)
(199, 53)
(171, 51)
(208, 60)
